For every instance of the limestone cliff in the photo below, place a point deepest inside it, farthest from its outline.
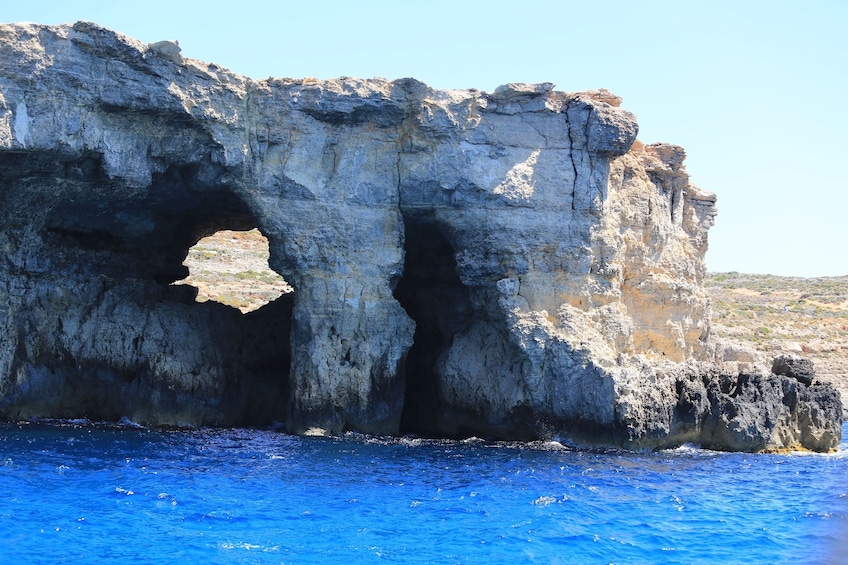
(512, 264)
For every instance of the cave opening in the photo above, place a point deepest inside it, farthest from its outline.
(433, 295)
(164, 359)
(230, 267)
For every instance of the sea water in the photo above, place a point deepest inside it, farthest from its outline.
(83, 493)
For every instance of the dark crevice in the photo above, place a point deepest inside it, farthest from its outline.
(433, 295)
(263, 389)
(146, 234)
(571, 155)
(381, 116)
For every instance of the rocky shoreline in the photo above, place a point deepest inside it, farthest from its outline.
(772, 315)
(512, 264)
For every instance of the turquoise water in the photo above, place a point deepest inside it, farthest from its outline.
(79, 493)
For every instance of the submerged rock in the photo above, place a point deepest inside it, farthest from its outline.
(513, 264)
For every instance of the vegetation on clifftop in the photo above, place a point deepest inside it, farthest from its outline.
(805, 316)
(231, 267)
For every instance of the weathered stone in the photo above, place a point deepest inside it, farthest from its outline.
(167, 49)
(795, 366)
(512, 264)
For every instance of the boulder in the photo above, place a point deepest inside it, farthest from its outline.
(796, 367)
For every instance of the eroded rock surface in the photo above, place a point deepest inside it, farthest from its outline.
(512, 264)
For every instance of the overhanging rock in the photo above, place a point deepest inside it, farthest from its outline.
(513, 264)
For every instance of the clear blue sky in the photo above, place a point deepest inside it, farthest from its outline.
(754, 90)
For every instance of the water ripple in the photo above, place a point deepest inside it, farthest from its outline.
(81, 492)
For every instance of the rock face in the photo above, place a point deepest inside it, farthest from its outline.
(513, 264)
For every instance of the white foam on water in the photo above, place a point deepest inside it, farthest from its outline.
(124, 421)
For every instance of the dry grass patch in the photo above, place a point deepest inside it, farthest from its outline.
(807, 316)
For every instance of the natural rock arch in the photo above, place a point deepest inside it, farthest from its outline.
(108, 337)
(580, 249)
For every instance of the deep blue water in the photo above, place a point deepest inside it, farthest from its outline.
(74, 493)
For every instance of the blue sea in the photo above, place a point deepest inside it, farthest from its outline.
(76, 492)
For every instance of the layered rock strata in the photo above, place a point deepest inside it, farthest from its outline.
(510, 264)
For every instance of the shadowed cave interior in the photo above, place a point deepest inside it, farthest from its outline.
(118, 255)
(261, 325)
(432, 294)
(130, 246)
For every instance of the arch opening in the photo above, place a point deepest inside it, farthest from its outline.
(231, 267)
(433, 295)
(116, 339)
